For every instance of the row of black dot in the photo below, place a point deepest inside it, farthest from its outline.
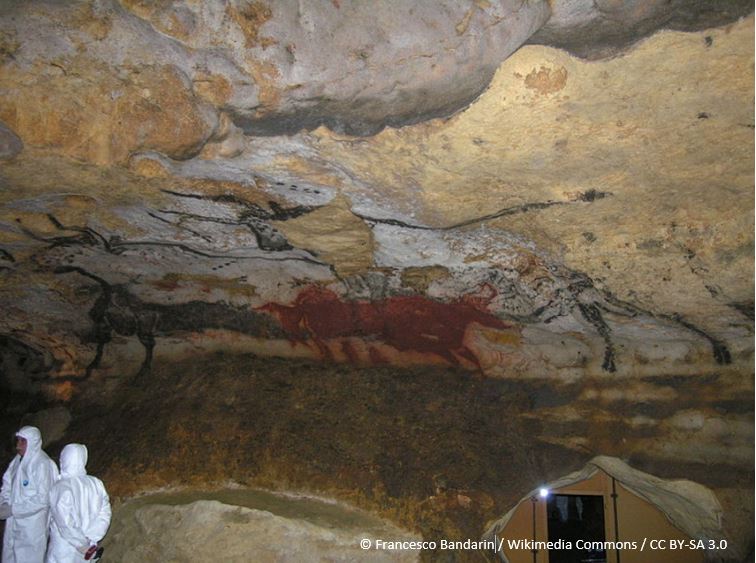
(295, 188)
(222, 265)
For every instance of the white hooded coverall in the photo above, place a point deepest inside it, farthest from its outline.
(26, 488)
(79, 506)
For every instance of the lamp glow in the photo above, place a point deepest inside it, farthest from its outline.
(543, 493)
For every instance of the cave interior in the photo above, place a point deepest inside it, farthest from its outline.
(412, 260)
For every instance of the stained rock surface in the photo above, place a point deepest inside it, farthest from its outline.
(522, 192)
(579, 217)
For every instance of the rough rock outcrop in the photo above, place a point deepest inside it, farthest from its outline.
(277, 529)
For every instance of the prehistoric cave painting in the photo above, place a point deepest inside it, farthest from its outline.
(567, 298)
(114, 311)
(406, 323)
(370, 316)
(116, 245)
(568, 292)
(101, 332)
(249, 215)
(419, 324)
(593, 303)
(117, 311)
(578, 294)
(587, 196)
(719, 349)
(592, 314)
(22, 365)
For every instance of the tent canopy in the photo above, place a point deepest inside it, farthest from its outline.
(690, 507)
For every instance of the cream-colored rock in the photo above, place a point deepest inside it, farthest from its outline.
(178, 528)
(227, 142)
(334, 234)
(665, 165)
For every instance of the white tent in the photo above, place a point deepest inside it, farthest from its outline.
(690, 507)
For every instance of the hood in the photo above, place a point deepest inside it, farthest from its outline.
(33, 438)
(73, 461)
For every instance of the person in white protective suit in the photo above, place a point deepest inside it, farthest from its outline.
(80, 509)
(24, 499)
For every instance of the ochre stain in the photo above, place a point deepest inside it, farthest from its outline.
(206, 284)
(250, 18)
(408, 324)
(546, 80)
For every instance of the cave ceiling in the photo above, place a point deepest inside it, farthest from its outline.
(518, 188)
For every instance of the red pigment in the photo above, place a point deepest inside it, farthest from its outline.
(405, 323)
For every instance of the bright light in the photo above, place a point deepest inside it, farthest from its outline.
(543, 493)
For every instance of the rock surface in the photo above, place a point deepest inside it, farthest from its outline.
(578, 218)
(433, 450)
(395, 185)
(179, 528)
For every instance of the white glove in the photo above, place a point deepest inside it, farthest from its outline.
(83, 549)
(5, 511)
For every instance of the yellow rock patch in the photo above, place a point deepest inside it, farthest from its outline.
(546, 80)
(420, 278)
(675, 159)
(110, 118)
(250, 17)
(335, 235)
(233, 287)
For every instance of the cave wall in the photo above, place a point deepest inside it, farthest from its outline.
(579, 217)
(519, 192)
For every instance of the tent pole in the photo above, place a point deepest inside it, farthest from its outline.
(533, 501)
(616, 518)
